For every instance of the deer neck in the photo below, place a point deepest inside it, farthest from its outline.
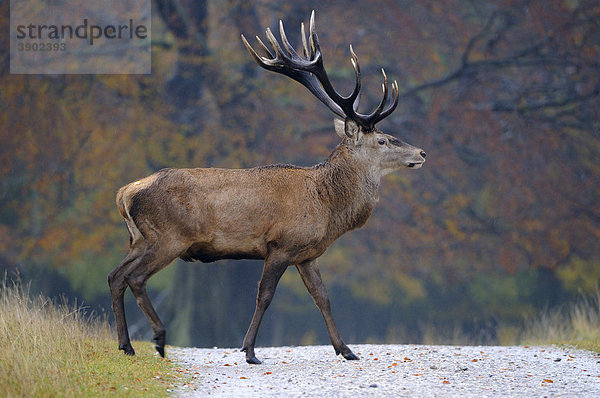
(350, 185)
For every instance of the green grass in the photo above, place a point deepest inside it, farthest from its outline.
(52, 350)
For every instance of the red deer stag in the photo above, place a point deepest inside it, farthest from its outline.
(286, 215)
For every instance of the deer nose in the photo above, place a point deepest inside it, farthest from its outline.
(423, 154)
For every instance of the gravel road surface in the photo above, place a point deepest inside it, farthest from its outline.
(391, 370)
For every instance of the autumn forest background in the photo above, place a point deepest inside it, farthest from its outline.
(501, 223)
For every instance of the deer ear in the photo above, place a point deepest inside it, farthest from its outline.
(351, 129)
(347, 128)
(340, 127)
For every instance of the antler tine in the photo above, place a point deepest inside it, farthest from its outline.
(307, 54)
(383, 102)
(285, 41)
(355, 96)
(387, 112)
(255, 56)
(265, 48)
(266, 62)
(356, 66)
(274, 44)
(313, 38)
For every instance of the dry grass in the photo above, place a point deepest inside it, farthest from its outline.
(576, 324)
(53, 350)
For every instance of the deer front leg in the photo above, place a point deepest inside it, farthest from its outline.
(309, 272)
(272, 272)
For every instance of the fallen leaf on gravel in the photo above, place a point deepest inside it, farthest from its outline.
(445, 382)
(548, 381)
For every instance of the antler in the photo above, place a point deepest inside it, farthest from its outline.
(310, 72)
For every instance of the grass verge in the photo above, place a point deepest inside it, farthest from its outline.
(576, 324)
(53, 350)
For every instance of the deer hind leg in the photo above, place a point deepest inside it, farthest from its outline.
(309, 272)
(118, 285)
(272, 271)
(116, 279)
(137, 277)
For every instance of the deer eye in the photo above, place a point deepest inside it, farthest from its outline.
(381, 141)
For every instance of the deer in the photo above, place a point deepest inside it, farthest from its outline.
(283, 214)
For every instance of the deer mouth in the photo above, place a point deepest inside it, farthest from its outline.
(414, 165)
(419, 160)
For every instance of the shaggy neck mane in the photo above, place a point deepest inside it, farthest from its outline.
(350, 185)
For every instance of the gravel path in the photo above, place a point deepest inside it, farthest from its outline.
(391, 370)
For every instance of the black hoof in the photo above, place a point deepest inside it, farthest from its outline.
(127, 349)
(253, 361)
(351, 356)
(159, 338)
